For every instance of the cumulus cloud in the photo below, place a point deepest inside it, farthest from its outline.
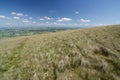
(2, 17)
(47, 18)
(16, 18)
(52, 24)
(64, 19)
(85, 20)
(76, 12)
(25, 21)
(7, 23)
(58, 24)
(42, 19)
(30, 18)
(17, 14)
(13, 13)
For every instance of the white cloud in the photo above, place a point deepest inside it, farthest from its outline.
(52, 24)
(30, 18)
(25, 21)
(64, 19)
(2, 17)
(16, 18)
(17, 14)
(47, 18)
(34, 22)
(25, 15)
(55, 23)
(85, 20)
(58, 24)
(42, 19)
(7, 17)
(52, 11)
(76, 12)
(101, 24)
(13, 13)
(7, 23)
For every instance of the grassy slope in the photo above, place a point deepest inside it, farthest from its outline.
(85, 54)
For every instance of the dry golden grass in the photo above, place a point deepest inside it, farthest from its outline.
(85, 54)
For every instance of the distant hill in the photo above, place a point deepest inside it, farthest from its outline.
(84, 54)
(28, 31)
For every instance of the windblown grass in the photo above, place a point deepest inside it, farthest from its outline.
(85, 54)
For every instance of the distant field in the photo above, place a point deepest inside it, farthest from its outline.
(84, 54)
(12, 32)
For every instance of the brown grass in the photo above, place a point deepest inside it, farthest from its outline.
(85, 54)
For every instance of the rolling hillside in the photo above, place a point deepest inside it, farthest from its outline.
(84, 54)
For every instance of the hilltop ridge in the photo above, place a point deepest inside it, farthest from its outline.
(84, 54)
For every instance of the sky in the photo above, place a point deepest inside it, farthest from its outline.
(69, 13)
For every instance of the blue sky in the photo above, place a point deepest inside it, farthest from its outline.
(69, 13)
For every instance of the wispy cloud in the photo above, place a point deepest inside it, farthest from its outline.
(64, 19)
(16, 18)
(85, 20)
(52, 11)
